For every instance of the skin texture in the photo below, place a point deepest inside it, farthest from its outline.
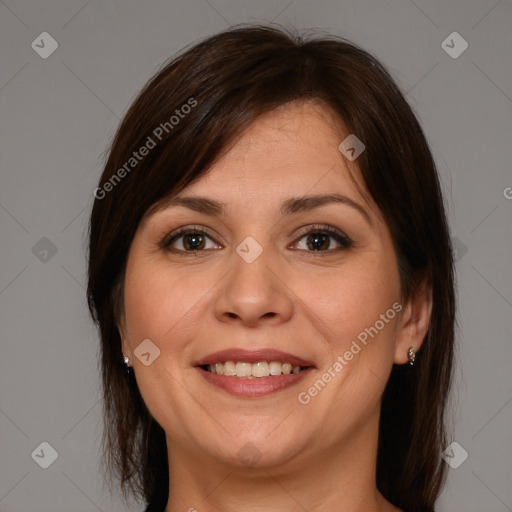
(312, 303)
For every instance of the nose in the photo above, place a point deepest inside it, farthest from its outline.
(254, 293)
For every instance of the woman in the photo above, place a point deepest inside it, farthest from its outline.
(271, 271)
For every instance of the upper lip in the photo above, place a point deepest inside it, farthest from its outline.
(252, 356)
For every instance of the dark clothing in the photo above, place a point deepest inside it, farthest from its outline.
(159, 500)
(156, 506)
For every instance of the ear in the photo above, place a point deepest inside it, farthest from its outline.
(125, 347)
(414, 323)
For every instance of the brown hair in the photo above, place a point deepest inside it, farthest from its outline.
(228, 80)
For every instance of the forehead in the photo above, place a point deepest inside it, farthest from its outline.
(287, 154)
(294, 149)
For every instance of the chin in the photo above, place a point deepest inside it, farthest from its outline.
(253, 450)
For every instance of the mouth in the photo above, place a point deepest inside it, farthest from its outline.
(253, 373)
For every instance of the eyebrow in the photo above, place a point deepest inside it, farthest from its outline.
(289, 206)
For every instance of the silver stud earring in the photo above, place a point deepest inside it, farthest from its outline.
(126, 360)
(411, 355)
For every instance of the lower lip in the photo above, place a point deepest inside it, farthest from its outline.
(248, 388)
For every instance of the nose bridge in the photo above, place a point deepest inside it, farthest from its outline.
(252, 291)
(251, 276)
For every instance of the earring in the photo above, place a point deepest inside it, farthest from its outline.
(126, 360)
(411, 355)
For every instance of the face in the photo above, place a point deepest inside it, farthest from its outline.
(272, 279)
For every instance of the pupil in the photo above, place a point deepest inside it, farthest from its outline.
(318, 240)
(194, 241)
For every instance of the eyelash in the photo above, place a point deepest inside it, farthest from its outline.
(324, 229)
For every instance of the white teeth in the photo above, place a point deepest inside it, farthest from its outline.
(243, 369)
(254, 370)
(260, 369)
(275, 368)
(229, 368)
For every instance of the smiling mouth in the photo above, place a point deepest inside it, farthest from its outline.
(246, 370)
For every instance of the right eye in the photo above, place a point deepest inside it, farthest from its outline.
(187, 239)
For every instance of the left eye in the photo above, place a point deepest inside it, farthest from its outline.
(319, 239)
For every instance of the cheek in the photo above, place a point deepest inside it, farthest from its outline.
(163, 306)
(352, 308)
(351, 299)
(347, 306)
(158, 300)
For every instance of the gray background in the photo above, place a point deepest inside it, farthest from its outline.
(58, 115)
